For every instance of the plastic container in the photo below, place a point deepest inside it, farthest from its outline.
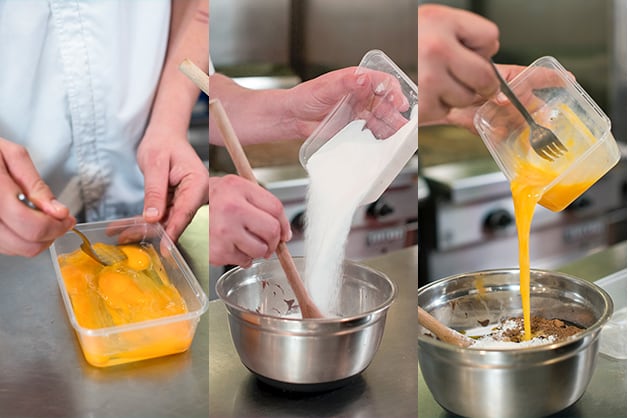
(131, 342)
(352, 108)
(559, 103)
(613, 340)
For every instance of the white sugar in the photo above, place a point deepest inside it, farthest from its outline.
(341, 173)
(493, 336)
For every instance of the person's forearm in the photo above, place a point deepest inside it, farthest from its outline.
(257, 116)
(176, 94)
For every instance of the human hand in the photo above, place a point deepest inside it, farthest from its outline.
(375, 97)
(24, 231)
(245, 221)
(463, 117)
(454, 48)
(175, 181)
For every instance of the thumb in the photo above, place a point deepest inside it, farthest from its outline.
(42, 197)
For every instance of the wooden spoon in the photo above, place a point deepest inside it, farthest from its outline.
(243, 167)
(442, 331)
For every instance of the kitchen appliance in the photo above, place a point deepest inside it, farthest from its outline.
(467, 224)
(389, 223)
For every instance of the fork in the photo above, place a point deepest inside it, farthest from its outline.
(105, 256)
(542, 139)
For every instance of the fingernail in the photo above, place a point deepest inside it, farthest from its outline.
(57, 206)
(361, 81)
(380, 88)
(151, 212)
(289, 235)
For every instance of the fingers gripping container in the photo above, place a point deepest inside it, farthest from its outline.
(559, 103)
(384, 117)
(119, 343)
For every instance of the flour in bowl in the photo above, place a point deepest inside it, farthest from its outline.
(495, 337)
(509, 333)
(342, 173)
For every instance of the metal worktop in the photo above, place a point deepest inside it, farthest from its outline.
(387, 388)
(42, 369)
(606, 394)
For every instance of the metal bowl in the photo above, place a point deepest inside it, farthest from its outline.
(503, 383)
(282, 349)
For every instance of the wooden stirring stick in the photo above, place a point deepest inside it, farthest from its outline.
(443, 332)
(195, 74)
(243, 167)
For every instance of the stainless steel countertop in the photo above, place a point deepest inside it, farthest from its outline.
(606, 394)
(42, 369)
(387, 388)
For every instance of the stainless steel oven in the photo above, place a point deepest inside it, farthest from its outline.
(468, 223)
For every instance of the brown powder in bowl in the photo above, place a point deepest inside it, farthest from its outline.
(541, 328)
(509, 333)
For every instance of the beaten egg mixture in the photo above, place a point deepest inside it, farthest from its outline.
(130, 291)
(529, 183)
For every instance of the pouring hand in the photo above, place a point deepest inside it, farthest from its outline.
(375, 97)
(245, 221)
(23, 231)
(175, 181)
(453, 50)
(463, 117)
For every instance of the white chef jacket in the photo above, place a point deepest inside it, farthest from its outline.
(77, 80)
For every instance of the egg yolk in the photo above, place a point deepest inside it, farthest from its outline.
(137, 258)
(133, 290)
(119, 289)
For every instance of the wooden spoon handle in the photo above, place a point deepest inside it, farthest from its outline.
(443, 332)
(234, 147)
(196, 75)
(232, 143)
(308, 307)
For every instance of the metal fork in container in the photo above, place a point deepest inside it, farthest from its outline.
(543, 140)
(106, 256)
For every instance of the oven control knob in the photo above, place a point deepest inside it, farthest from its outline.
(298, 223)
(379, 208)
(498, 219)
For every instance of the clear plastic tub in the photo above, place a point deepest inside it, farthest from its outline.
(559, 103)
(353, 107)
(125, 343)
(613, 339)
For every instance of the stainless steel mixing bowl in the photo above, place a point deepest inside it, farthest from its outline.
(284, 350)
(503, 383)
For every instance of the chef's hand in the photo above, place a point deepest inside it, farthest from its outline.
(463, 117)
(24, 231)
(245, 221)
(175, 181)
(376, 98)
(454, 48)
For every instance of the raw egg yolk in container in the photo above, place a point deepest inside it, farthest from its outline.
(133, 290)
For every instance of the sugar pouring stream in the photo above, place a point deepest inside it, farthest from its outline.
(442, 331)
(243, 167)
